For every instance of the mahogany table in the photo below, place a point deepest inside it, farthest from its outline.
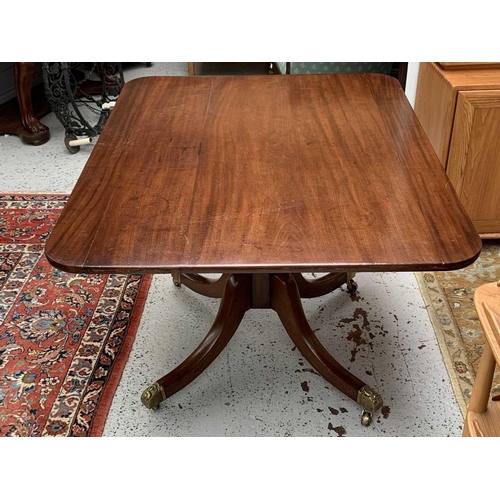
(263, 178)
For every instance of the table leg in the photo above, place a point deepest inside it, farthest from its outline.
(281, 292)
(199, 284)
(285, 300)
(309, 289)
(236, 300)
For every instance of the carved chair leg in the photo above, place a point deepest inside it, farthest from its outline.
(199, 284)
(37, 132)
(236, 300)
(285, 300)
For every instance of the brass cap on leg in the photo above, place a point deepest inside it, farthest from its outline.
(176, 277)
(153, 396)
(369, 399)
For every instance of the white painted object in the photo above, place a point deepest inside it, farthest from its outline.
(411, 81)
(80, 142)
(108, 105)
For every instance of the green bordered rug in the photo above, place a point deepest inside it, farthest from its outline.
(449, 297)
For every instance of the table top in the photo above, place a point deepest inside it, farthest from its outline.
(265, 173)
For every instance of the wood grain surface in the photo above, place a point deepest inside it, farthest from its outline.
(436, 99)
(474, 159)
(263, 174)
(469, 65)
(435, 102)
(487, 301)
(483, 414)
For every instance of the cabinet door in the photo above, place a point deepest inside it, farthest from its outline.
(474, 159)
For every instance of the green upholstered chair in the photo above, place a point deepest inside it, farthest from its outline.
(310, 68)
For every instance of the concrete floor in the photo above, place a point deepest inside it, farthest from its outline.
(260, 385)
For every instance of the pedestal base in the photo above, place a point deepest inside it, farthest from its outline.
(281, 292)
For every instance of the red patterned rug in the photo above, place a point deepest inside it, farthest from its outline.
(64, 338)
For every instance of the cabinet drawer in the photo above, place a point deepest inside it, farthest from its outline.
(474, 159)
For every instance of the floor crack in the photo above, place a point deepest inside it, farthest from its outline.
(404, 358)
(229, 374)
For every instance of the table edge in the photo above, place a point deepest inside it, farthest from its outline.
(265, 269)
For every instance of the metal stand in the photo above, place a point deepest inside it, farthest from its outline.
(81, 94)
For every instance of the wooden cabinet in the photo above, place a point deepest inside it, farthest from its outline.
(460, 111)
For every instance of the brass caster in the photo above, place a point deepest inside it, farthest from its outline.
(371, 401)
(352, 286)
(366, 418)
(153, 396)
(176, 277)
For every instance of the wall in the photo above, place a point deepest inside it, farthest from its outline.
(7, 86)
(411, 81)
(7, 89)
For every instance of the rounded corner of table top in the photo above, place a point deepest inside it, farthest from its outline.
(467, 260)
(55, 261)
(139, 80)
(142, 80)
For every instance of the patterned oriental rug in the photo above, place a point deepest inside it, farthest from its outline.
(64, 338)
(449, 297)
